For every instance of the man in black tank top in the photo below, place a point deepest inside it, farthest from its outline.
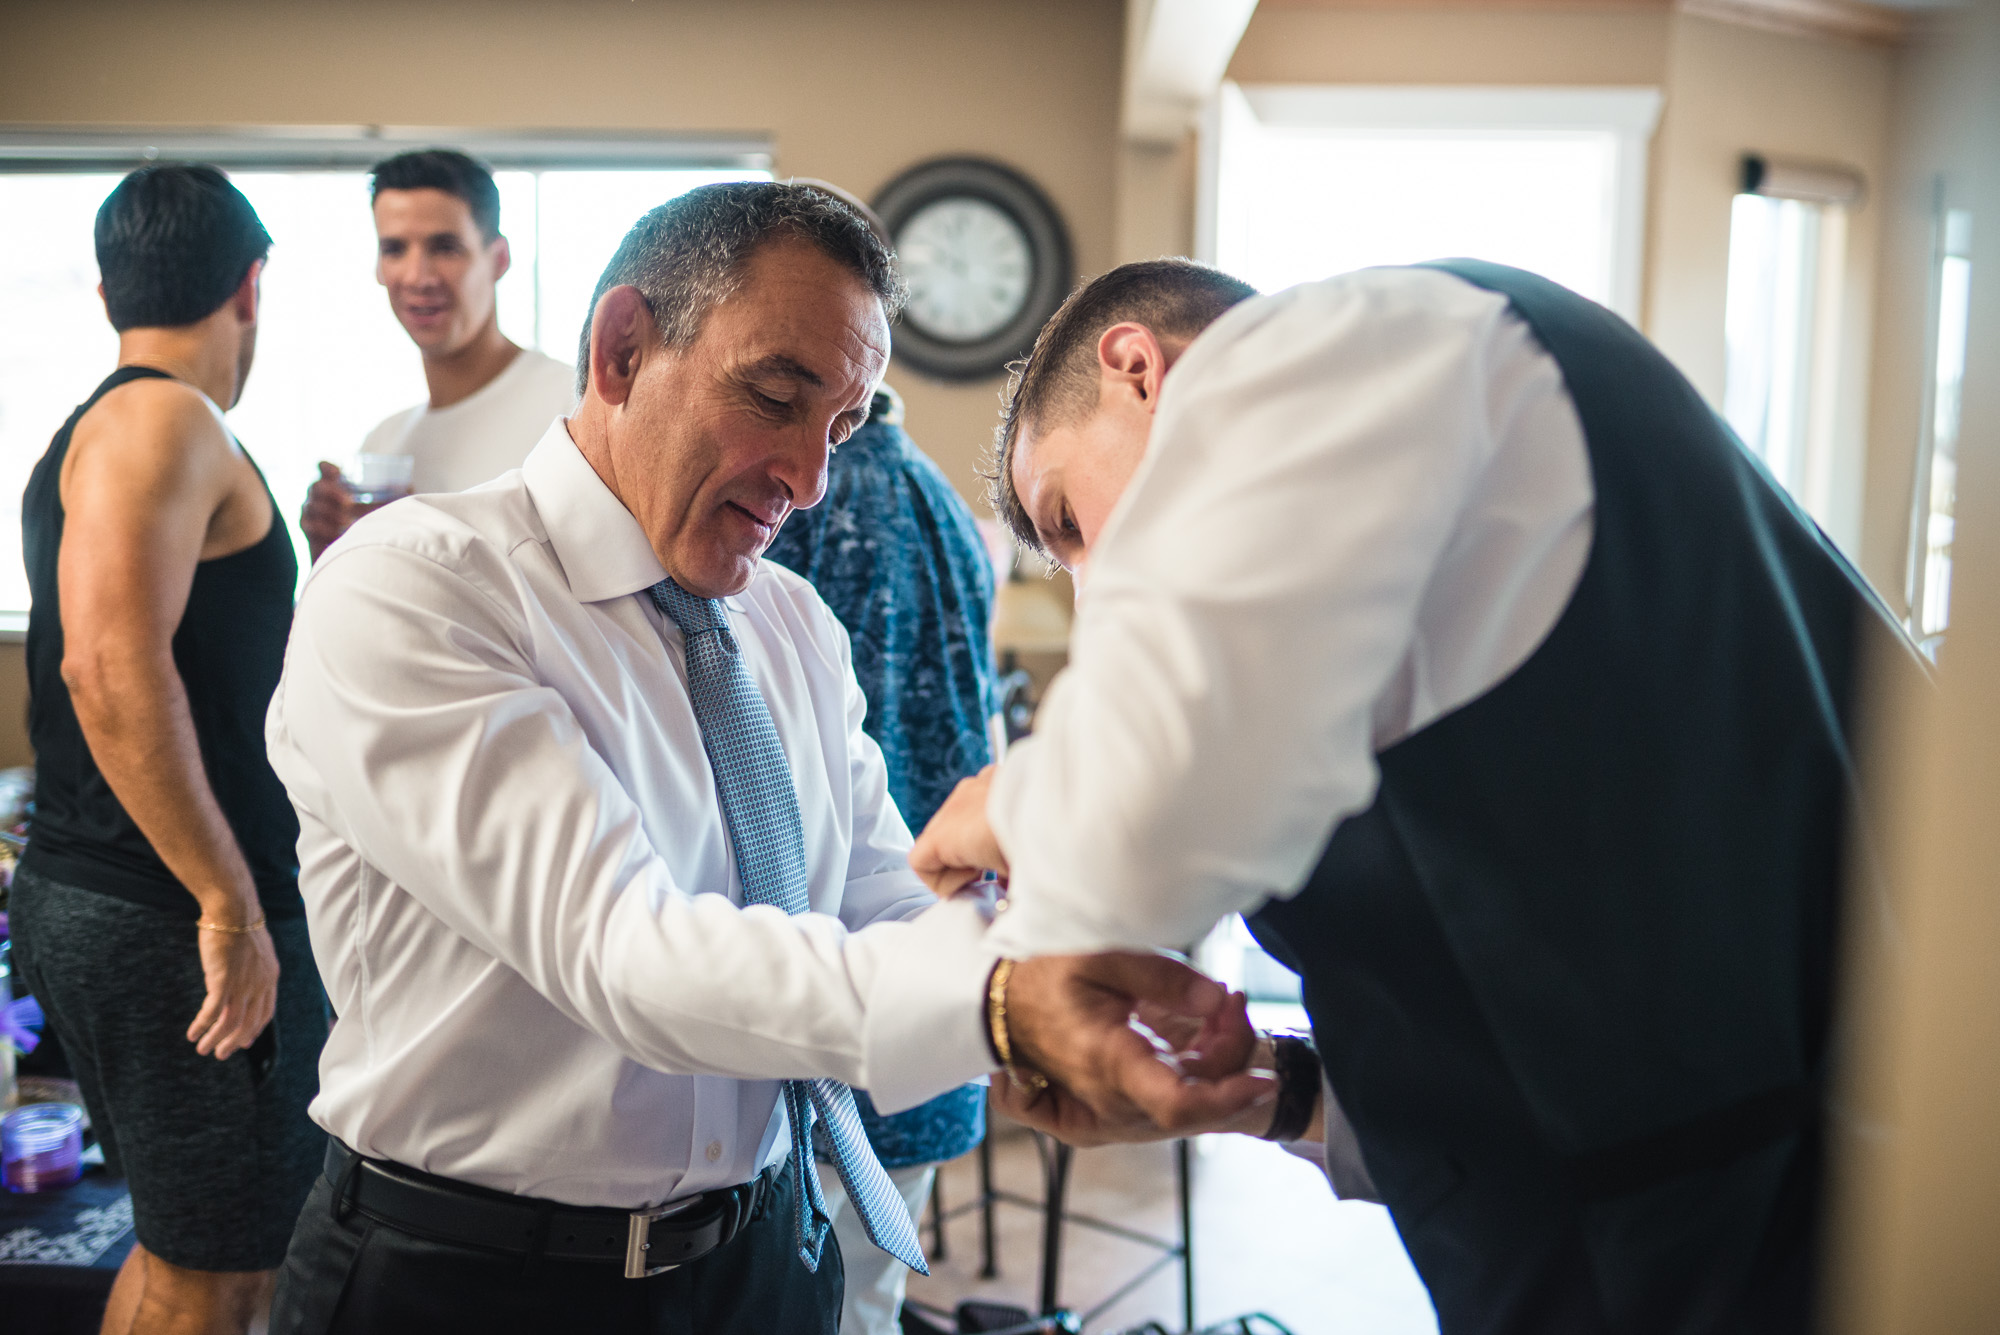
(156, 911)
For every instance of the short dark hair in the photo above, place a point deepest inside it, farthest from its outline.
(687, 254)
(174, 241)
(445, 169)
(1057, 381)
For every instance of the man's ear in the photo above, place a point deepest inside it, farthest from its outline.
(503, 257)
(1131, 363)
(245, 299)
(621, 329)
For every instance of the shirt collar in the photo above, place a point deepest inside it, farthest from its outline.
(604, 552)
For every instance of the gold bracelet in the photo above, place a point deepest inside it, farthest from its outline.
(231, 931)
(996, 1025)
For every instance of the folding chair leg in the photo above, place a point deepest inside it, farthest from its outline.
(990, 1260)
(1184, 1182)
(1053, 1201)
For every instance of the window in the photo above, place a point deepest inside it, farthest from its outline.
(331, 360)
(1306, 182)
(1933, 524)
(1781, 331)
(1231, 956)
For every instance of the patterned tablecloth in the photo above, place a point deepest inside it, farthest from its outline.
(59, 1252)
(88, 1224)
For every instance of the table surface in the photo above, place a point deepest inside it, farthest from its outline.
(86, 1226)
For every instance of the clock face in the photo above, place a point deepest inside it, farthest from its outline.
(969, 268)
(986, 259)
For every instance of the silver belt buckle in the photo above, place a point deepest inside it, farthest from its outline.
(638, 1228)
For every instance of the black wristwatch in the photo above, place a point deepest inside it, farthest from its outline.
(1299, 1079)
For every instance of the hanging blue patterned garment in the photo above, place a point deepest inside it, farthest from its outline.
(896, 555)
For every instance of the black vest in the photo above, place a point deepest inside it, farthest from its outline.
(1571, 974)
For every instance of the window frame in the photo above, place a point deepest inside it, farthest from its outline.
(1628, 114)
(303, 148)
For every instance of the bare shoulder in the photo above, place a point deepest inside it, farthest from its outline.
(148, 416)
(152, 428)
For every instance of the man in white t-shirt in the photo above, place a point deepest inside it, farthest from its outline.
(440, 254)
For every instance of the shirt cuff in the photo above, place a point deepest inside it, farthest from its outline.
(1340, 1153)
(925, 1027)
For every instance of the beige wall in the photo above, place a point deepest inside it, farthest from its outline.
(858, 90)
(14, 706)
(1928, 140)
(1920, 1193)
(851, 92)
(1445, 45)
(1731, 89)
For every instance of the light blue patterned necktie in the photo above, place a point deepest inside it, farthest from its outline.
(761, 810)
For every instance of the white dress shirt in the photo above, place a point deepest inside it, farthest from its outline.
(521, 892)
(484, 434)
(1365, 502)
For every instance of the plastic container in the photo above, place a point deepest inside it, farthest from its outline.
(41, 1147)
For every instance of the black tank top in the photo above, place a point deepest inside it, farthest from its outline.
(229, 649)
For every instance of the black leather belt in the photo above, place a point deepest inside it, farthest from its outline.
(645, 1242)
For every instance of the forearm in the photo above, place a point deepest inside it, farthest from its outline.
(133, 711)
(896, 1008)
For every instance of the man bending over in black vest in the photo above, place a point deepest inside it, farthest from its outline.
(156, 911)
(1429, 616)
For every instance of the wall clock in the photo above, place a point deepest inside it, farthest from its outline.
(987, 260)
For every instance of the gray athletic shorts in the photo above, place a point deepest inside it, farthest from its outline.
(219, 1154)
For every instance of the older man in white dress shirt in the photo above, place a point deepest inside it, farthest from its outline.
(600, 866)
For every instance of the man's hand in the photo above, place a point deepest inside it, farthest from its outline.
(958, 846)
(1070, 1017)
(330, 510)
(241, 971)
(1061, 1114)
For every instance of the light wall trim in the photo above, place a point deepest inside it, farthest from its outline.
(347, 147)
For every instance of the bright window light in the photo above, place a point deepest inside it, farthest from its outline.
(1768, 323)
(331, 360)
(1938, 505)
(1781, 340)
(584, 215)
(1313, 204)
(1313, 182)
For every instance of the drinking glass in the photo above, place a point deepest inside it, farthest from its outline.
(380, 477)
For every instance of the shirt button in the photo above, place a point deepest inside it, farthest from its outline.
(714, 1150)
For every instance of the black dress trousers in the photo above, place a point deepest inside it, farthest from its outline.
(354, 1276)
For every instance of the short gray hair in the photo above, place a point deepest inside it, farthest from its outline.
(688, 254)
